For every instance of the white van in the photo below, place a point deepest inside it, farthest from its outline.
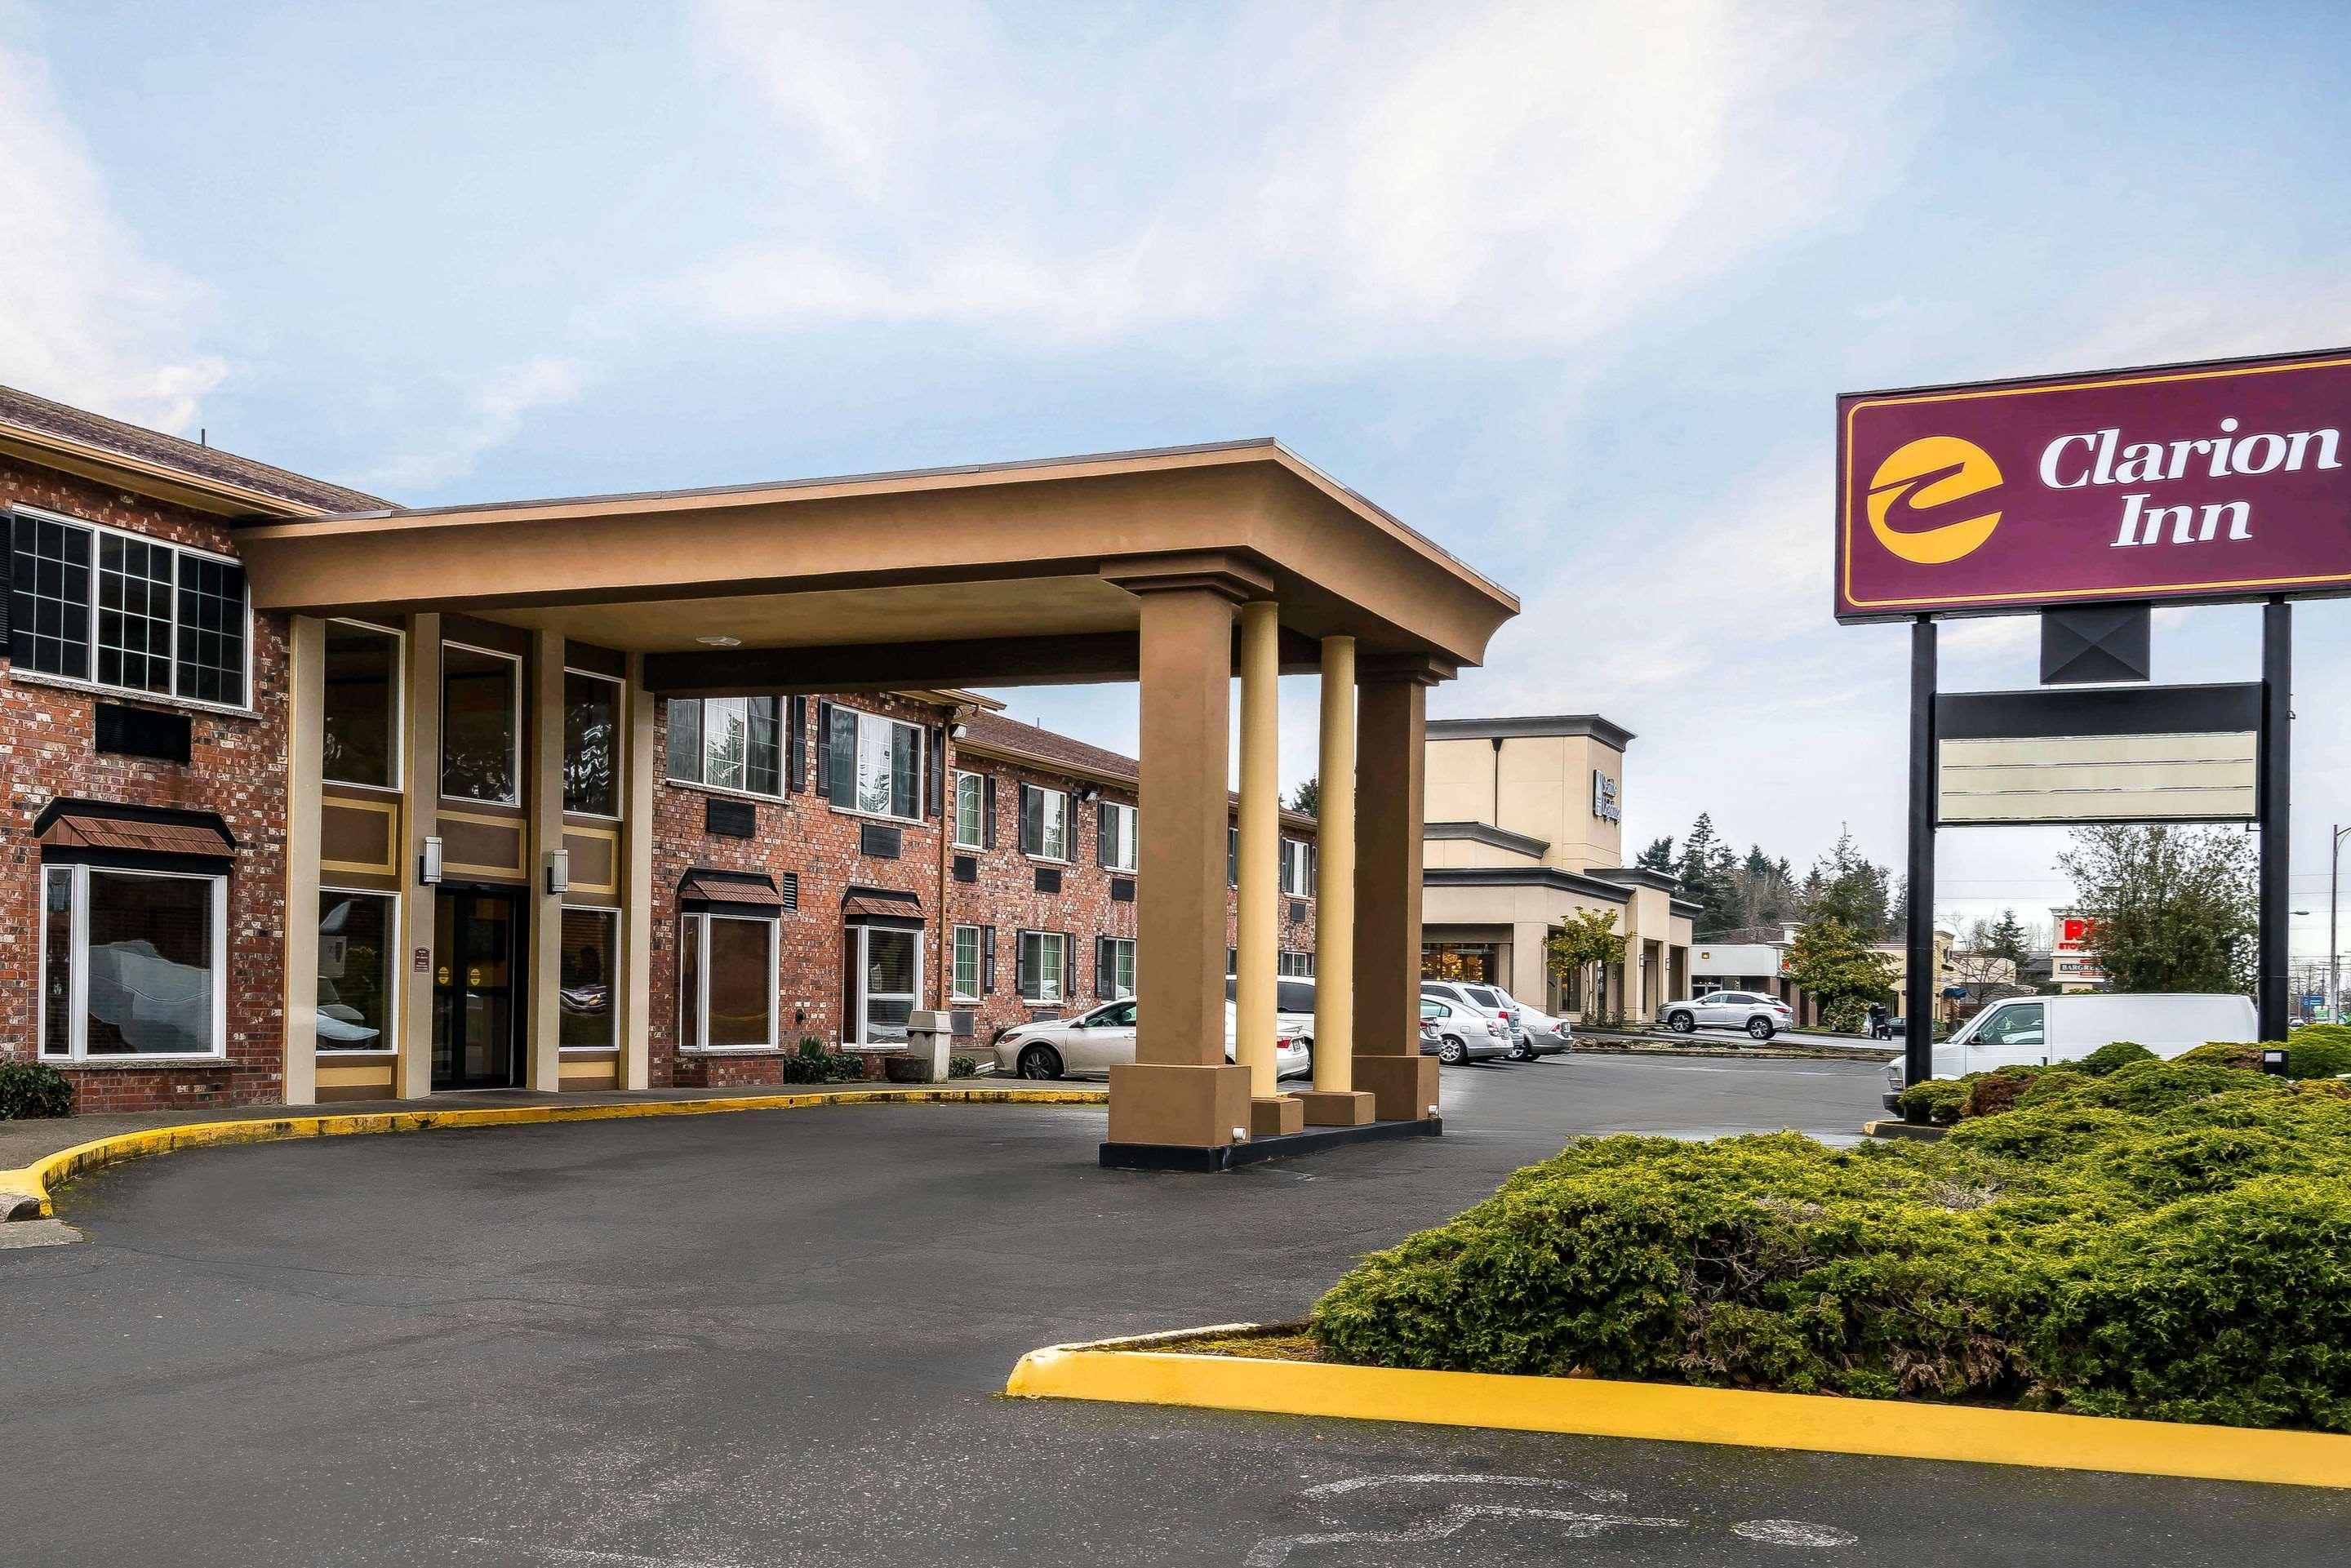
(2033, 1031)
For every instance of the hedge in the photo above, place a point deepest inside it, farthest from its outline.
(2169, 1241)
(32, 1089)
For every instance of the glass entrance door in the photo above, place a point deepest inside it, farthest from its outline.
(473, 990)
(889, 977)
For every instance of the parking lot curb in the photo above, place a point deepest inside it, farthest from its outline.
(1139, 1371)
(31, 1186)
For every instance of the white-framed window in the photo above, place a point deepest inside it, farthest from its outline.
(133, 963)
(1043, 965)
(725, 982)
(1044, 823)
(591, 744)
(970, 811)
(481, 725)
(1296, 868)
(1295, 965)
(1115, 958)
(728, 742)
(100, 607)
(965, 975)
(873, 765)
(586, 976)
(1117, 825)
(359, 969)
(366, 675)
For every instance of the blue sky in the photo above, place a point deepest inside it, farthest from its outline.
(1569, 287)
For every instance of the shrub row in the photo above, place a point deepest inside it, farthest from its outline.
(2169, 1241)
(2319, 1052)
(30, 1089)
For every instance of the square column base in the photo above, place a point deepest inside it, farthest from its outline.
(1404, 1088)
(1271, 1115)
(1193, 1107)
(1338, 1108)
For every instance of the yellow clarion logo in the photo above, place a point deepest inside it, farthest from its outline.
(1953, 470)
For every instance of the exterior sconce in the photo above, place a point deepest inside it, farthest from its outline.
(958, 731)
(558, 871)
(428, 866)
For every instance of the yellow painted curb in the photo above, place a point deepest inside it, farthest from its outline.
(1127, 1371)
(39, 1179)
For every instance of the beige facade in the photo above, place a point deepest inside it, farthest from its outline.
(1524, 828)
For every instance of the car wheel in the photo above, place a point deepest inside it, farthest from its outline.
(1759, 1028)
(1681, 1023)
(1040, 1062)
(1522, 1051)
(1452, 1052)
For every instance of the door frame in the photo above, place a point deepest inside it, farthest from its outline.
(854, 953)
(517, 979)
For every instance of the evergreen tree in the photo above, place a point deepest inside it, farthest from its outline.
(2006, 939)
(1847, 887)
(1658, 856)
(1307, 798)
(1836, 964)
(1707, 869)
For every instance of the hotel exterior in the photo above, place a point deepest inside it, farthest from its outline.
(313, 798)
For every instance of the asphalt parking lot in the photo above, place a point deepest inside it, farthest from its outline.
(778, 1338)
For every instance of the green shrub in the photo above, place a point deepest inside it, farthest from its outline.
(2243, 1055)
(816, 1065)
(962, 1067)
(32, 1089)
(2108, 1058)
(2309, 1054)
(1936, 1099)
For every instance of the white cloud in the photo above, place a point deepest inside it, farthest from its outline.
(86, 315)
(1341, 177)
(494, 413)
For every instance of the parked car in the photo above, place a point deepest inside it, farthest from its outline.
(1539, 1034)
(1091, 1043)
(1455, 1034)
(1479, 998)
(1762, 1017)
(2035, 1031)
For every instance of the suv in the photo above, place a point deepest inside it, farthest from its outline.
(1761, 1017)
(1474, 995)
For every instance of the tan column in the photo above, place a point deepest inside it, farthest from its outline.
(305, 765)
(544, 802)
(637, 885)
(1334, 1101)
(1179, 1090)
(1389, 808)
(420, 779)
(1257, 935)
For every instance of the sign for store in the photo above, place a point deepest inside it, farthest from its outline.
(2207, 482)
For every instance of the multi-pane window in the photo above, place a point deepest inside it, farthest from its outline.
(967, 961)
(361, 708)
(726, 982)
(481, 723)
(1042, 964)
(1117, 825)
(970, 812)
(591, 744)
(590, 950)
(1296, 868)
(727, 743)
(1295, 965)
(1116, 980)
(357, 942)
(132, 963)
(91, 603)
(874, 765)
(1044, 823)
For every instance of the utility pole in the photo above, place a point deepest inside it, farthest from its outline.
(2334, 903)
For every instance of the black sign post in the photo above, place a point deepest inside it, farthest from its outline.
(2274, 792)
(1920, 979)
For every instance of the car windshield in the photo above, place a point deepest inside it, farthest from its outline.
(1484, 997)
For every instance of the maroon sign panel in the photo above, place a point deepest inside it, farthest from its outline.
(2227, 480)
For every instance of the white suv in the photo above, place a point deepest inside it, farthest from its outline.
(1761, 1017)
(1474, 996)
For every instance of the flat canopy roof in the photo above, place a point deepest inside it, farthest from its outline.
(980, 575)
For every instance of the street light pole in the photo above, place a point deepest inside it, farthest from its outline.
(2334, 903)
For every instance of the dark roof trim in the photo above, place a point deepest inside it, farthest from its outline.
(124, 811)
(1487, 833)
(1591, 724)
(1639, 876)
(1685, 907)
(702, 889)
(1532, 876)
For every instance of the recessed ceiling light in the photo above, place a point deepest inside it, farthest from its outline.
(720, 641)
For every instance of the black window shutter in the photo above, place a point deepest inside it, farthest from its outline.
(987, 827)
(1032, 819)
(938, 772)
(7, 574)
(988, 960)
(1070, 992)
(1313, 868)
(1105, 970)
(795, 744)
(1020, 963)
(823, 747)
(1105, 816)
(1232, 857)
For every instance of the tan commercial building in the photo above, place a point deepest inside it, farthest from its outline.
(1524, 828)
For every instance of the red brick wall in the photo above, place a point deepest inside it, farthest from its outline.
(238, 769)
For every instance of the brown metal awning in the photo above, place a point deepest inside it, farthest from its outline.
(104, 829)
(741, 892)
(881, 907)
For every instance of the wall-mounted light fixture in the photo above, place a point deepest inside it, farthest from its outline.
(558, 871)
(959, 731)
(1090, 794)
(428, 864)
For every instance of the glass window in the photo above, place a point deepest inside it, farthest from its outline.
(1041, 966)
(590, 949)
(1299, 966)
(1120, 953)
(57, 960)
(92, 604)
(1118, 833)
(1232, 858)
(132, 963)
(480, 723)
(1044, 822)
(358, 942)
(727, 743)
(1297, 869)
(876, 765)
(727, 981)
(970, 809)
(967, 957)
(1293, 997)
(362, 715)
(591, 744)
